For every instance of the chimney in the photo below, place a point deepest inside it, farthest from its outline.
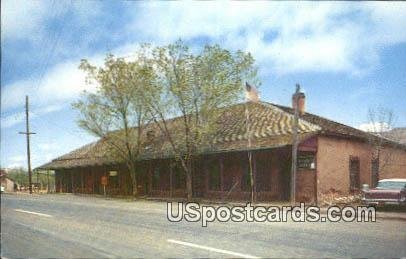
(301, 100)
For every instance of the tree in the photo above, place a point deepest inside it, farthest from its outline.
(19, 175)
(194, 87)
(380, 121)
(115, 112)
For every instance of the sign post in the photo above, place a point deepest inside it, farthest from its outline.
(104, 183)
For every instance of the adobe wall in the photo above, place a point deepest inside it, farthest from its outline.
(333, 156)
(305, 189)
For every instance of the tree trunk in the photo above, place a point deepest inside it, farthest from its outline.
(133, 174)
(189, 180)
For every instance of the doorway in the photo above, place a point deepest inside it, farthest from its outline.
(354, 173)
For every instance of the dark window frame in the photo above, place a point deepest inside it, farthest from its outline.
(305, 159)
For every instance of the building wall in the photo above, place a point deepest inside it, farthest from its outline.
(333, 158)
(272, 163)
(305, 185)
(88, 180)
(7, 184)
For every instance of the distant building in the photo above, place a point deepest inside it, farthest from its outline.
(331, 156)
(8, 184)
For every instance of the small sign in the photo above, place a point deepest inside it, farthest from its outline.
(306, 162)
(113, 173)
(104, 180)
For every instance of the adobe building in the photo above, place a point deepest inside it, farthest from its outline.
(331, 157)
(8, 184)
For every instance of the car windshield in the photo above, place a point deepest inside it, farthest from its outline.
(391, 185)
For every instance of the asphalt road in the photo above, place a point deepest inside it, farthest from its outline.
(73, 226)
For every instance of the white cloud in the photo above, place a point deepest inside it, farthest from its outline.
(61, 83)
(284, 38)
(332, 37)
(376, 127)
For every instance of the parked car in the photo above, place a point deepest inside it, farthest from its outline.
(2, 189)
(387, 192)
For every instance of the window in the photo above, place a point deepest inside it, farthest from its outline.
(306, 160)
(213, 167)
(156, 177)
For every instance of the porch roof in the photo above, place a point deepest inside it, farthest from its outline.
(270, 126)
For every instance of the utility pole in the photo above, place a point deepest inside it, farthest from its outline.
(28, 133)
(294, 145)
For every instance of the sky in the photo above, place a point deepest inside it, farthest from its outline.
(348, 57)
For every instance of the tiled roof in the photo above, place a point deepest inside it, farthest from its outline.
(270, 126)
(328, 126)
(332, 128)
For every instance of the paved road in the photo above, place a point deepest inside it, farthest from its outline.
(72, 226)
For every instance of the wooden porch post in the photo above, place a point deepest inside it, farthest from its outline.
(206, 175)
(221, 173)
(65, 178)
(47, 181)
(119, 178)
(82, 180)
(254, 172)
(108, 182)
(170, 180)
(150, 176)
(72, 180)
(61, 180)
(93, 180)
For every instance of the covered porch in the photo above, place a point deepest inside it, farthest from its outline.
(216, 176)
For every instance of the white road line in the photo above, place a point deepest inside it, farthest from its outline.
(35, 213)
(211, 249)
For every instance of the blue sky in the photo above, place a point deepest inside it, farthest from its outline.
(349, 57)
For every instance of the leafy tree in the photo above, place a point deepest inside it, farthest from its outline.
(115, 112)
(19, 175)
(194, 87)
